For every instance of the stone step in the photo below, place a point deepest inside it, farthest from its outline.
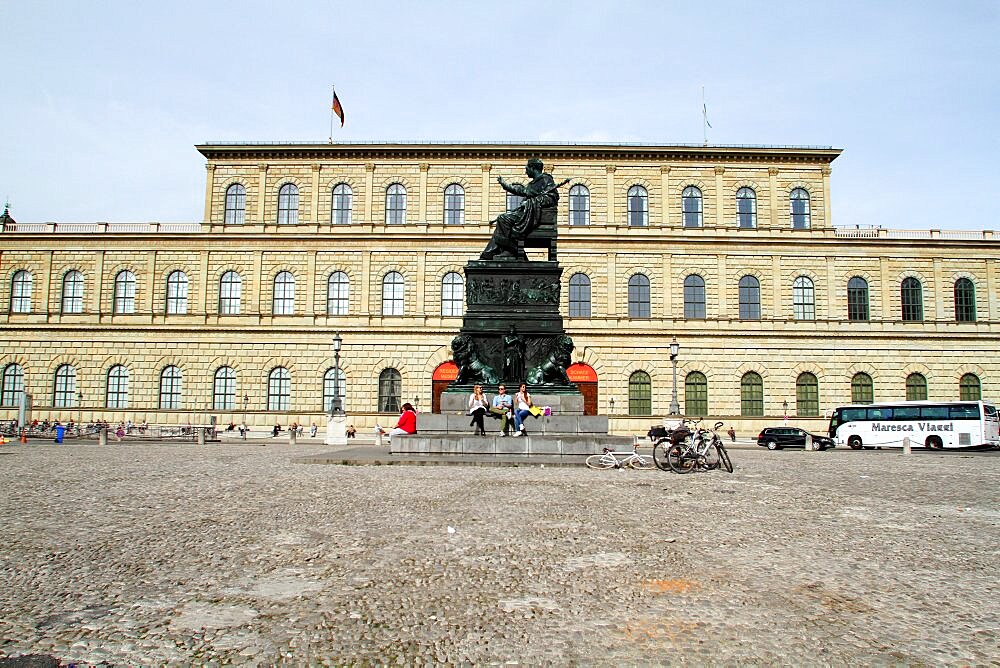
(434, 423)
(454, 444)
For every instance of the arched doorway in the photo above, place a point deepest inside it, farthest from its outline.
(586, 379)
(441, 378)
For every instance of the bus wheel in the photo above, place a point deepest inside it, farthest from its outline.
(854, 442)
(934, 443)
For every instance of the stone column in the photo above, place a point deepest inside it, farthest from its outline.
(203, 307)
(369, 191)
(261, 192)
(310, 307)
(150, 282)
(612, 285)
(772, 186)
(721, 288)
(487, 183)
(610, 183)
(314, 211)
(826, 198)
(422, 195)
(209, 188)
(887, 289)
(366, 281)
(665, 198)
(777, 287)
(421, 308)
(258, 277)
(719, 171)
(95, 300)
(938, 290)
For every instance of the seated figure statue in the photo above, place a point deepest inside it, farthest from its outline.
(513, 226)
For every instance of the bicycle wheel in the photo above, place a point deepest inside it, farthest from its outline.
(711, 459)
(679, 460)
(602, 461)
(642, 463)
(660, 455)
(724, 459)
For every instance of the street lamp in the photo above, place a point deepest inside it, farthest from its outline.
(79, 405)
(416, 400)
(785, 405)
(611, 402)
(675, 408)
(246, 400)
(335, 406)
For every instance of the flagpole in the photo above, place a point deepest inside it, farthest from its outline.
(333, 95)
(704, 117)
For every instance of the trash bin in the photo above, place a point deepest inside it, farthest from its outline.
(60, 432)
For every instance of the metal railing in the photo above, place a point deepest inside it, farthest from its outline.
(102, 227)
(888, 233)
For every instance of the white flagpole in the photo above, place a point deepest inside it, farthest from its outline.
(704, 117)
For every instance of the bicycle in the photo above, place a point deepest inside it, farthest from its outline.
(663, 438)
(701, 453)
(610, 459)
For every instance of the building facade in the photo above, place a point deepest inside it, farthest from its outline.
(732, 251)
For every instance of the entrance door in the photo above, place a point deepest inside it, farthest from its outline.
(586, 379)
(440, 380)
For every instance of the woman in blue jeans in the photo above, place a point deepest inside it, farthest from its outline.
(522, 401)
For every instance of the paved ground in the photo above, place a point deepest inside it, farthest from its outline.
(170, 554)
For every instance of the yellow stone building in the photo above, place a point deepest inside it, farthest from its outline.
(731, 250)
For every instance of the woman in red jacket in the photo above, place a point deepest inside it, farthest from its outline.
(407, 422)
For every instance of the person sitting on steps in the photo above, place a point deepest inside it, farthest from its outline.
(478, 405)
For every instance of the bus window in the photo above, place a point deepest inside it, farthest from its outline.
(879, 414)
(964, 412)
(990, 410)
(934, 412)
(851, 414)
(907, 412)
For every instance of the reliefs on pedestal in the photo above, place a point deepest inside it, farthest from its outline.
(509, 291)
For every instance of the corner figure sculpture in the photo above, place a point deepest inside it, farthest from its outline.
(513, 356)
(540, 193)
(470, 368)
(552, 371)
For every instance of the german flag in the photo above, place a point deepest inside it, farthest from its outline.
(337, 109)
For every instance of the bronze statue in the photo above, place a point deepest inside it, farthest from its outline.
(513, 357)
(552, 371)
(470, 368)
(540, 193)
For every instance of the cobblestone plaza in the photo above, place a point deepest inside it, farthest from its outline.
(174, 554)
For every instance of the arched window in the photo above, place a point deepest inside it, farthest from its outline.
(72, 292)
(390, 390)
(230, 293)
(965, 300)
(806, 395)
(125, 292)
(341, 204)
(334, 384)
(279, 389)
(20, 292)
(338, 294)
(694, 296)
(395, 204)
(862, 389)
(638, 207)
(454, 205)
(579, 296)
(283, 301)
(916, 387)
(749, 298)
(638, 296)
(799, 208)
(696, 394)
(177, 293)
(857, 299)
(288, 204)
(751, 395)
(746, 208)
(452, 294)
(969, 388)
(691, 207)
(392, 293)
(170, 388)
(224, 389)
(640, 394)
(236, 204)
(579, 205)
(911, 300)
(13, 385)
(64, 388)
(803, 299)
(513, 201)
(117, 390)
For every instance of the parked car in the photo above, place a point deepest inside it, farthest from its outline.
(776, 438)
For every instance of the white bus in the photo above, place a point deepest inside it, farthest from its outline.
(928, 424)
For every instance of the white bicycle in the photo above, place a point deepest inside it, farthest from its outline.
(610, 459)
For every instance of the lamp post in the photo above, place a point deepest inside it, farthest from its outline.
(611, 403)
(335, 406)
(675, 408)
(785, 405)
(416, 400)
(336, 426)
(79, 406)
(246, 400)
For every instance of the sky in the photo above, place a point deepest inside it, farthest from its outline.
(105, 100)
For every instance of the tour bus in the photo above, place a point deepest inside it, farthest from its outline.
(928, 424)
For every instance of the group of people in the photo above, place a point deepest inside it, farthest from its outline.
(503, 407)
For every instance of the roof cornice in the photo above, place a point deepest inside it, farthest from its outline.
(236, 151)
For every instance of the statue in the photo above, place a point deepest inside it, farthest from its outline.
(540, 193)
(470, 368)
(513, 357)
(553, 370)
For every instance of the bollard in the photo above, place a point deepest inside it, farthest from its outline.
(201, 436)
(102, 436)
(809, 442)
(378, 438)
(292, 436)
(906, 446)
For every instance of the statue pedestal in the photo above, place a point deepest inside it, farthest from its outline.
(336, 430)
